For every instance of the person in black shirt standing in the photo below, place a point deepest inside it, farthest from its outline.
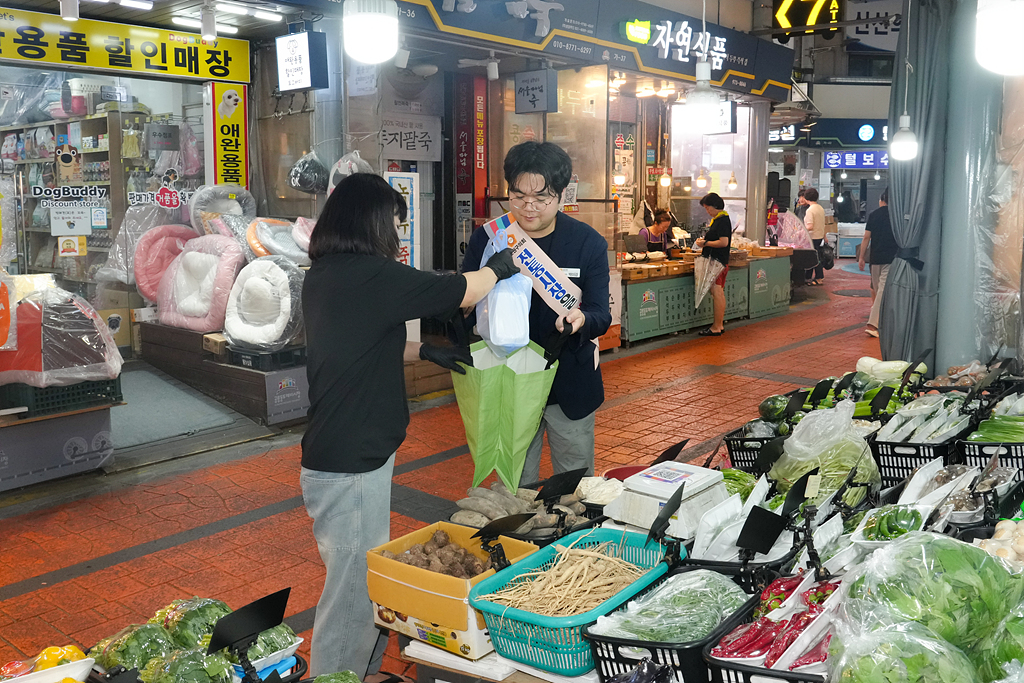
(879, 249)
(356, 299)
(715, 244)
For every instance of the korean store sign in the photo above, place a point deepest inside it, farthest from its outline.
(411, 137)
(230, 134)
(858, 159)
(537, 91)
(36, 38)
(408, 185)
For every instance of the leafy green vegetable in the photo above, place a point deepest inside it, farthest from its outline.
(133, 647)
(340, 677)
(738, 481)
(904, 653)
(957, 590)
(187, 666)
(773, 408)
(1002, 647)
(272, 640)
(189, 620)
(685, 608)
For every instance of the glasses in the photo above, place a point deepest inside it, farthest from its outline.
(520, 202)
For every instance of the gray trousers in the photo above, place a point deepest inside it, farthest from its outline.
(571, 441)
(351, 514)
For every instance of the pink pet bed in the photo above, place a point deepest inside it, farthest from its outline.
(302, 231)
(156, 248)
(194, 289)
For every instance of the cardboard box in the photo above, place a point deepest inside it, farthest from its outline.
(144, 315)
(429, 606)
(646, 493)
(119, 322)
(831, 224)
(216, 343)
(115, 298)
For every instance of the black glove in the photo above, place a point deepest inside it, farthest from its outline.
(447, 356)
(502, 264)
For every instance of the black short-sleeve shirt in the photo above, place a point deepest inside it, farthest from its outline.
(355, 308)
(883, 247)
(720, 227)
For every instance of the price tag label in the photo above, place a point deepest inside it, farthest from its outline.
(813, 486)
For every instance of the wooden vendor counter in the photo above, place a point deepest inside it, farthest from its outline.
(654, 306)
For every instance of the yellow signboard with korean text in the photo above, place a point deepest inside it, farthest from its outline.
(36, 38)
(230, 134)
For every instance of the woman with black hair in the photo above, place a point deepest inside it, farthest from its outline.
(657, 235)
(715, 245)
(356, 299)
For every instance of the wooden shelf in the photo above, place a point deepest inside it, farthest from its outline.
(56, 271)
(55, 122)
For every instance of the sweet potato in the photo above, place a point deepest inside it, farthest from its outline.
(483, 506)
(470, 518)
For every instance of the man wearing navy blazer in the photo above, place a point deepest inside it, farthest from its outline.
(537, 173)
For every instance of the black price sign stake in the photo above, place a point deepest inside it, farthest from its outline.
(770, 453)
(761, 530)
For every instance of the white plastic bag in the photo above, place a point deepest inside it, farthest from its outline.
(503, 316)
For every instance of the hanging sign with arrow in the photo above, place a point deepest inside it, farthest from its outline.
(826, 14)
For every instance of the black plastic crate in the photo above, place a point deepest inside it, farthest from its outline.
(724, 671)
(555, 534)
(752, 576)
(593, 510)
(52, 400)
(267, 362)
(744, 450)
(978, 453)
(614, 656)
(897, 461)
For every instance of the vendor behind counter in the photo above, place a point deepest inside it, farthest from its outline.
(657, 235)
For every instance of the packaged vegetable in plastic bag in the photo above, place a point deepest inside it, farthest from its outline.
(1013, 673)
(1005, 647)
(189, 620)
(503, 316)
(957, 590)
(686, 607)
(133, 646)
(272, 640)
(827, 440)
(900, 653)
(646, 672)
(187, 666)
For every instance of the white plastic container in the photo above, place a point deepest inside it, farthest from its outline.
(647, 492)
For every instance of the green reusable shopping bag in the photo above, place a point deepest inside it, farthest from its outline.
(502, 401)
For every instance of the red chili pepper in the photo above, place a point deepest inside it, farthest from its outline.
(762, 644)
(740, 637)
(817, 654)
(797, 626)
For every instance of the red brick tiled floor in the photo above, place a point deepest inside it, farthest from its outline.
(82, 570)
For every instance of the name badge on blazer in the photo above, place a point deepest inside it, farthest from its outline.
(571, 272)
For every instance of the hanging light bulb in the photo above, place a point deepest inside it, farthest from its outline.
(69, 10)
(877, 176)
(665, 180)
(839, 199)
(619, 178)
(732, 181)
(687, 187)
(702, 103)
(997, 43)
(843, 174)
(903, 146)
(702, 182)
(370, 30)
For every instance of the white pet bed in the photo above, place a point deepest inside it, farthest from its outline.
(264, 309)
(220, 199)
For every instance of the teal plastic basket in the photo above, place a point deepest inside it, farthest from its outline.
(556, 644)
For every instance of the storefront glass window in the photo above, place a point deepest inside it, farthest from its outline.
(507, 130)
(718, 158)
(581, 126)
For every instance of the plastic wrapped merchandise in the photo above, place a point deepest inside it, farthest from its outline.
(826, 439)
(346, 166)
(120, 263)
(957, 590)
(194, 289)
(792, 232)
(901, 653)
(8, 313)
(684, 608)
(61, 340)
(265, 306)
(8, 222)
(503, 316)
(187, 665)
(705, 271)
(302, 231)
(220, 199)
(156, 250)
(1013, 673)
(272, 237)
(133, 646)
(232, 226)
(308, 175)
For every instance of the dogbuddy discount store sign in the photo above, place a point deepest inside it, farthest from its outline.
(228, 155)
(31, 37)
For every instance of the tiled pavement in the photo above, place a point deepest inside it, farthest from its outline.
(236, 530)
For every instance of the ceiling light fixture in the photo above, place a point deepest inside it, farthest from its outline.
(646, 92)
(208, 26)
(997, 43)
(666, 91)
(702, 182)
(137, 4)
(687, 187)
(665, 180)
(189, 22)
(702, 103)
(903, 146)
(267, 16)
(732, 181)
(877, 176)
(843, 175)
(839, 199)
(69, 10)
(370, 30)
(100, 2)
(232, 9)
(619, 178)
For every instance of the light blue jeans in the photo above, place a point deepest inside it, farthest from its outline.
(571, 441)
(351, 514)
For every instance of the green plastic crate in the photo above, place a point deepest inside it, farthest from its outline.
(51, 400)
(556, 644)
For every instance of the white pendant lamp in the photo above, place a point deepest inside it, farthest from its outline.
(903, 146)
(732, 181)
(208, 23)
(997, 43)
(665, 180)
(69, 10)
(702, 103)
(702, 182)
(843, 175)
(370, 30)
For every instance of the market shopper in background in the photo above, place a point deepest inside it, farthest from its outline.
(715, 244)
(356, 299)
(814, 220)
(880, 247)
(658, 236)
(801, 204)
(537, 173)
